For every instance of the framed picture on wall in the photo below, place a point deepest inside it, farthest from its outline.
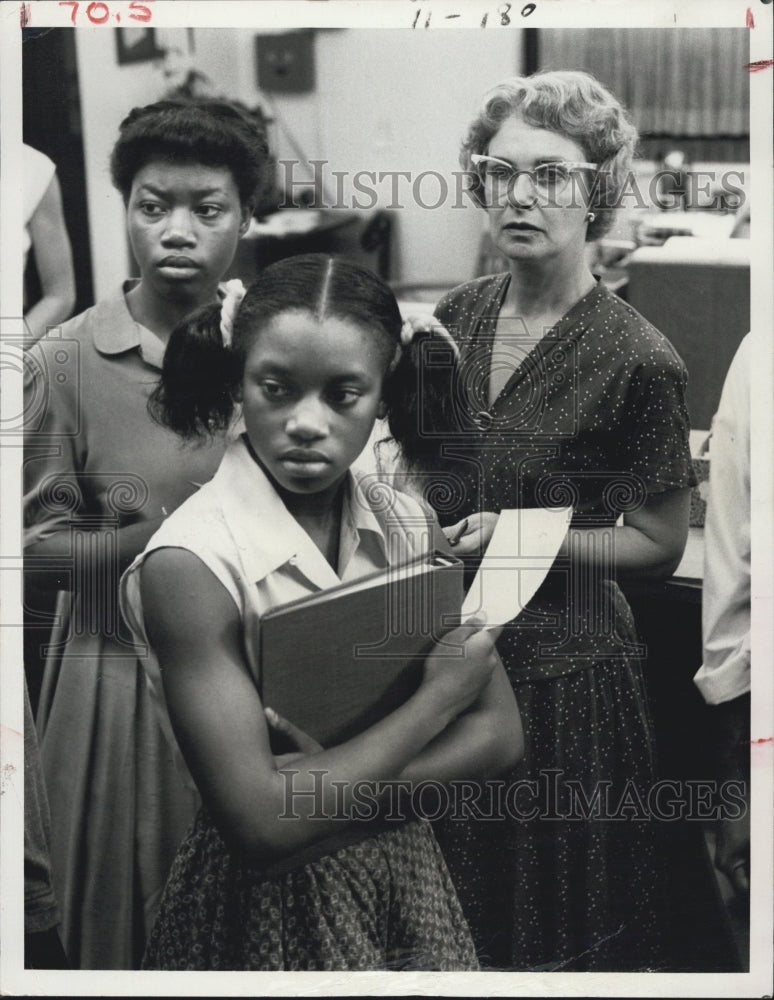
(136, 45)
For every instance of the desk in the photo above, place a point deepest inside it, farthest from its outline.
(691, 568)
(656, 227)
(292, 224)
(683, 587)
(668, 617)
(363, 237)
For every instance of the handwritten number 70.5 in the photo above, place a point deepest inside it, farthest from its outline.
(98, 12)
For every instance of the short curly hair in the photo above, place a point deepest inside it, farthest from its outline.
(212, 132)
(575, 105)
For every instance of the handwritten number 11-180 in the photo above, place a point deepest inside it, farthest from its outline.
(503, 11)
(98, 12)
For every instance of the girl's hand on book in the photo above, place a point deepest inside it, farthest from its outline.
(287, 734)
(457, 679)
(472, 535)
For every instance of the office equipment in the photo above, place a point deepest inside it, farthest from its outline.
(697, 293)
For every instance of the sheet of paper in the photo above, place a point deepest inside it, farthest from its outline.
(522, 550)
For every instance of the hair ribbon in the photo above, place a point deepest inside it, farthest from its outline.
(426, 324)
(234, 293)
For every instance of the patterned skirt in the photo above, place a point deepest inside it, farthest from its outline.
(558, 869)
(383, 902)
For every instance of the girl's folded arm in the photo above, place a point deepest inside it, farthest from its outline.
(195, 630)
(484, 741)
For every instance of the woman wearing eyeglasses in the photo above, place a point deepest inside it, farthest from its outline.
(566, 397)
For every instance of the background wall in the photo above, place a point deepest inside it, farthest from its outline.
(384, 100)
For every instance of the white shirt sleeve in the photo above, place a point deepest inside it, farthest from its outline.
(725, 671)
(38, 173)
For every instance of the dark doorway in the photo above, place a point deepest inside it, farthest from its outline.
(52, 124)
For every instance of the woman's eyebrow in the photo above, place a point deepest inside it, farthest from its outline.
(557, 158)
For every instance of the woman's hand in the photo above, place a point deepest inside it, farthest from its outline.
(305, 745)
(472, 535)
(458, 678)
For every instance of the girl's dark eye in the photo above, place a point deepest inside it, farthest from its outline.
(151, 208)
(274, 390)
(209, 211)
(344, 397)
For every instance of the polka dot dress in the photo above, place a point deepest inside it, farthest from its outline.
(594, 417)
(383, 902)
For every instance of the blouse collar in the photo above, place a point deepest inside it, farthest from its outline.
(115, 331)
(268, 536)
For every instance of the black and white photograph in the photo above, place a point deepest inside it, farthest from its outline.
(386, 447)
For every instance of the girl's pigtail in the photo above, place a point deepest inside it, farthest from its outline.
(420, 394)
(199, 377)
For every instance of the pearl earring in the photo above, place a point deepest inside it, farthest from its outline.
(590, 216)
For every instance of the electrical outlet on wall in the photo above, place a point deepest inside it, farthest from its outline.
(285, 62)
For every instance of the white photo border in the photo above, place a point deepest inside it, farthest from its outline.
(376, 16)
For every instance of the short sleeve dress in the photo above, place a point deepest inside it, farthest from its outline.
(376, 895)
(95, 460)
(594, 417)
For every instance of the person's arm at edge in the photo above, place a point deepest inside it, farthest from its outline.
(54, 262)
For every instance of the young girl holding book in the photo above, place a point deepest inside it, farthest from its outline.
(314, 350)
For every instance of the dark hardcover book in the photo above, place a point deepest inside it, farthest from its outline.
(336, 662)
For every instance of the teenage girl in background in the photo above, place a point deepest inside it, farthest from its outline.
(315, 341)
(100, 477)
